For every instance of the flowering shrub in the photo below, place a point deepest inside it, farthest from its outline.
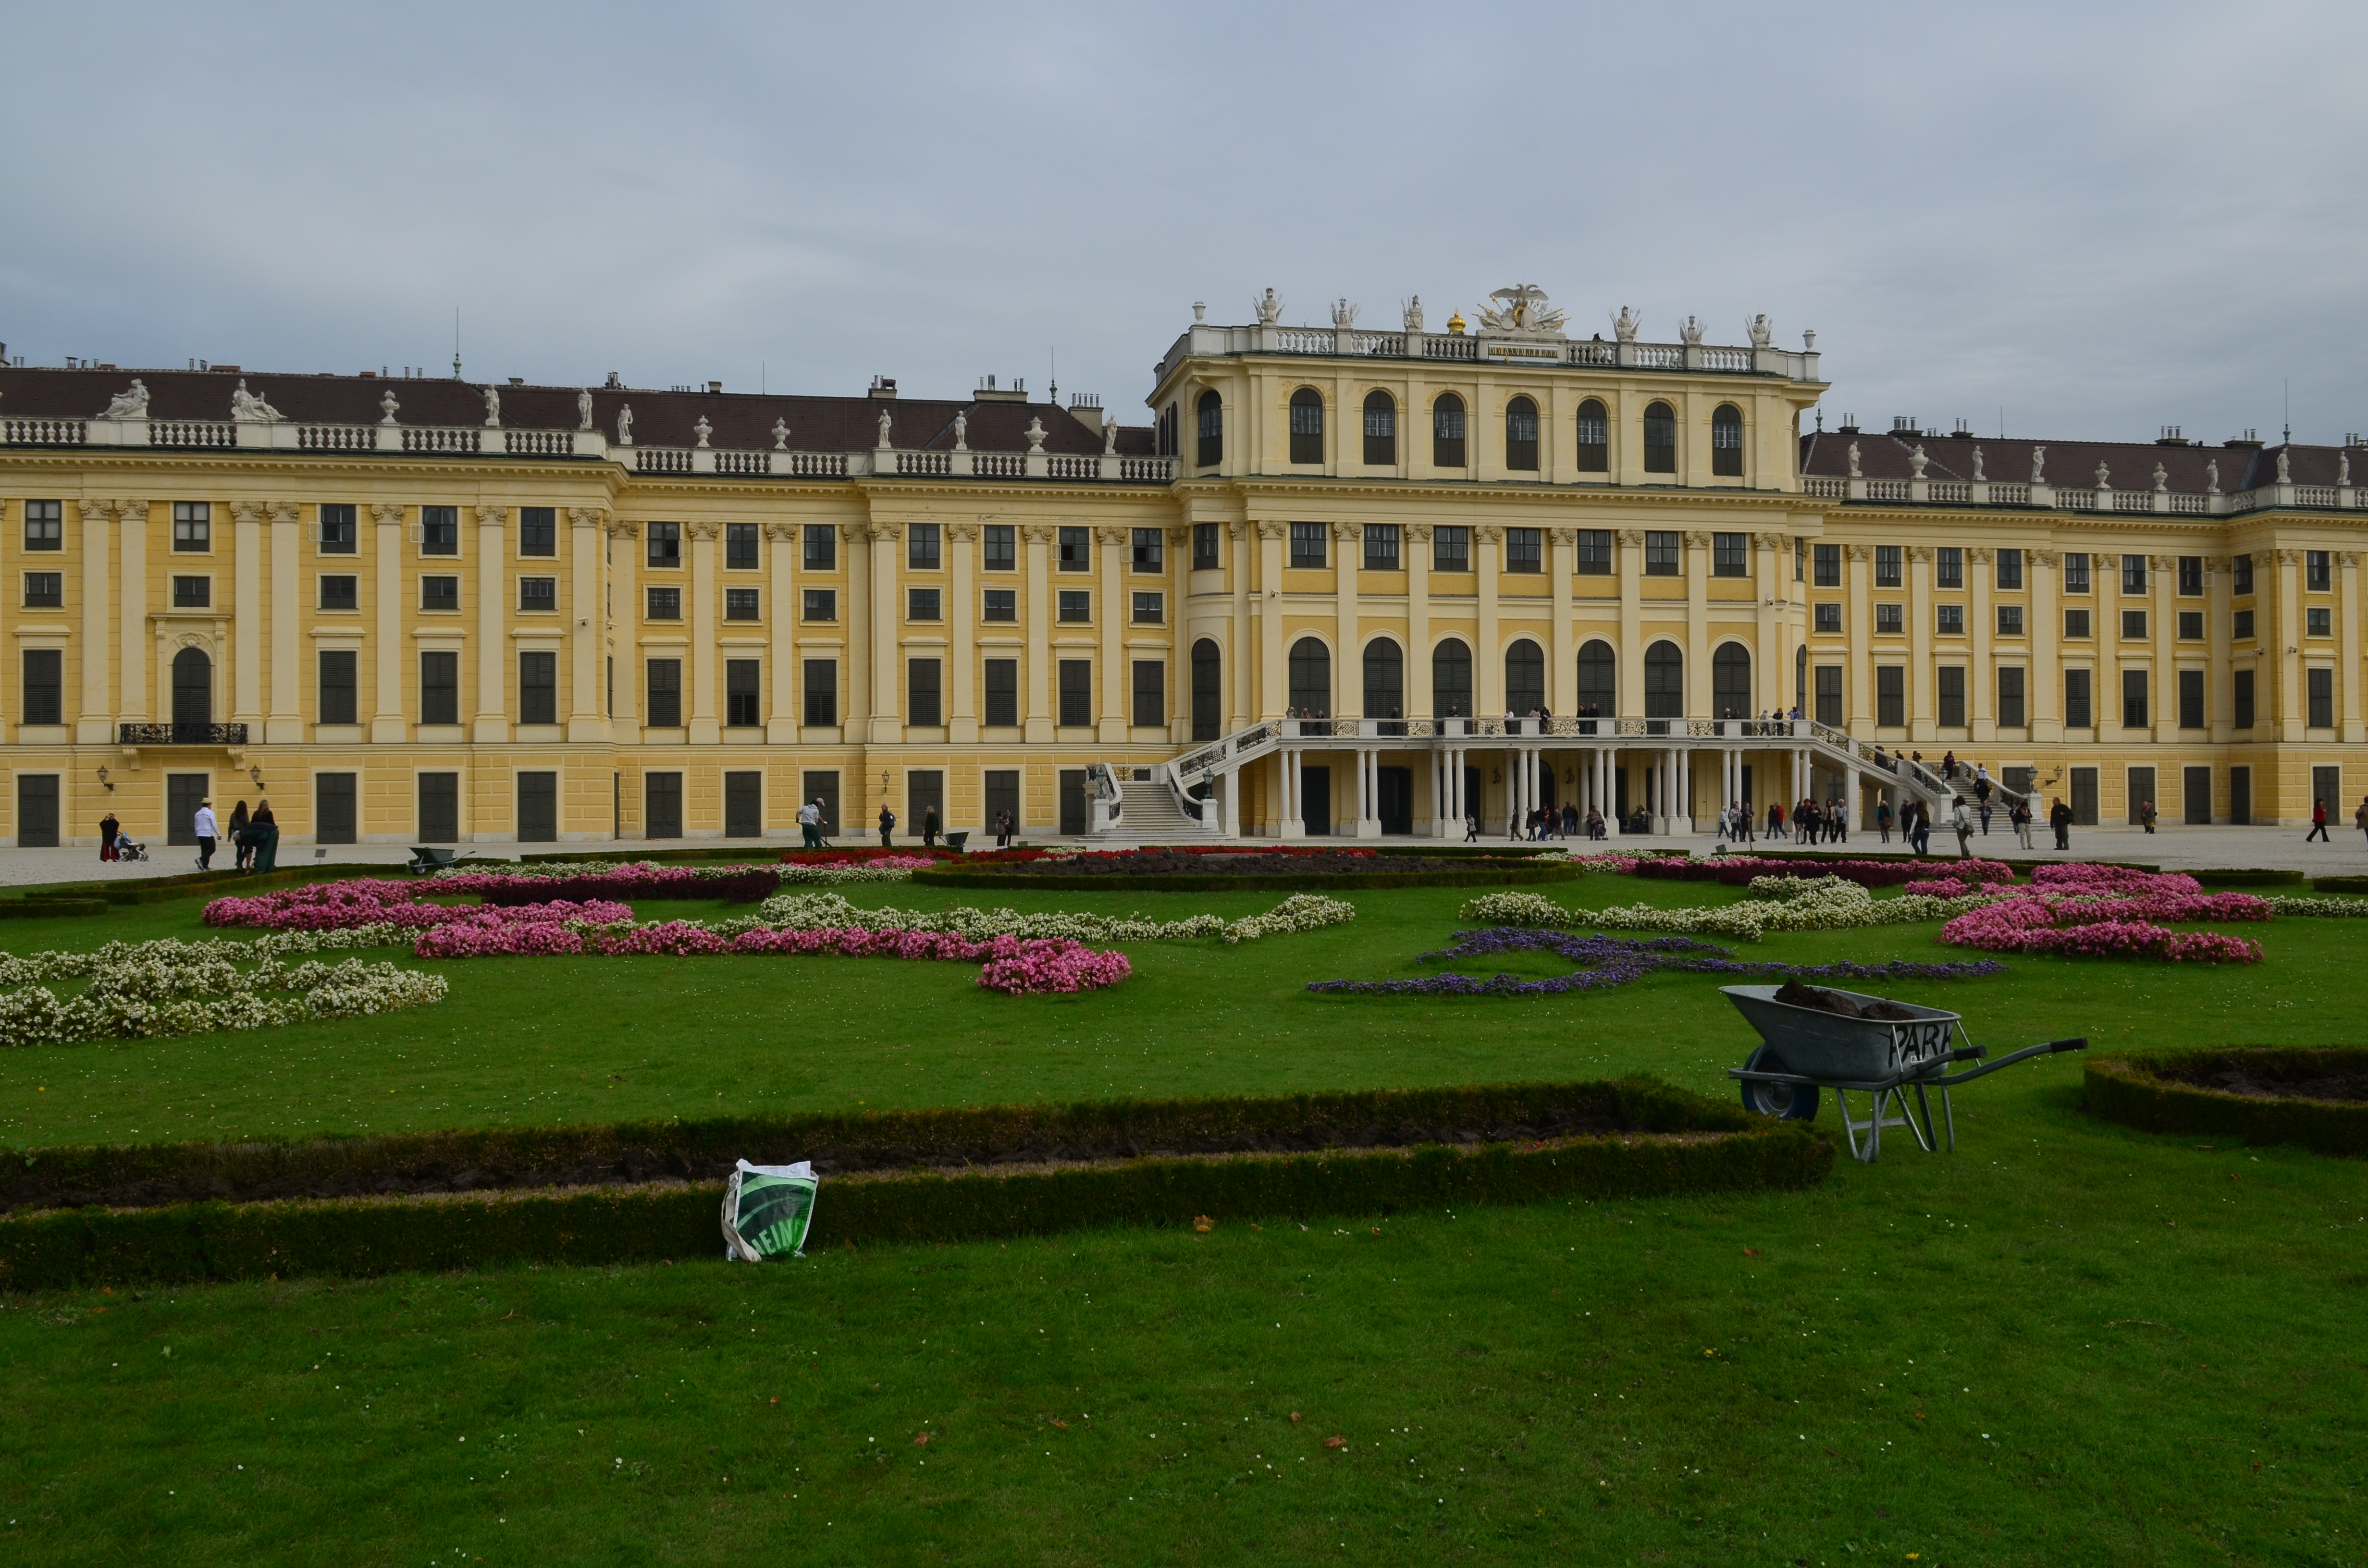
(2110, 927)
(1603, 963)
(470, 879)
(146, 990)
(2320, 908)
(1050, 967)
(1301, 912)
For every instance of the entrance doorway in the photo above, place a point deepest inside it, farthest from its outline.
(2240, 796)
(2195, 795)
(1395, 805)
(1315, 800)
(184, 792)
(1074, 816)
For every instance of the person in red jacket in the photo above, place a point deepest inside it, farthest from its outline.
(2318, 823)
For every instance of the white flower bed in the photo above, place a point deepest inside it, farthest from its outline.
(140, 991)
(825, 876)
(1783, 903)
(2319, 908)
(808, 912)
(1300, 912)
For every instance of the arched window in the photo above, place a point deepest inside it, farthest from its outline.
(1166, 444)
(1213, 429)
(1525, 678)
(1384, 680)
(1660, 439)
(1599, 689)
(1521, 436)
(1450, 680)
(1447, 431)
(1310, 677)
(193, 688)
(1208, 691)
(1594, 439)
(1665, 682)
(1730, 682)
(1307, 426)
(1726, 440)
(1381, 430)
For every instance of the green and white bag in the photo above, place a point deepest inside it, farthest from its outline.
(767, 1209)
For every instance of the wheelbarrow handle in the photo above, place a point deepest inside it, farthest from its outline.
(2078, 1042)
(2052, 1047)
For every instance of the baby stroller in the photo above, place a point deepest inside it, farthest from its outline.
(130, 849)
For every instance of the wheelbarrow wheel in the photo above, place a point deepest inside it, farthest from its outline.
(1788, 1102)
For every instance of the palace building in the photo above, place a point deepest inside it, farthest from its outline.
(1344, 582)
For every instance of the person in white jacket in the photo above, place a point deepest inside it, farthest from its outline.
(208, 833)
(1961, 819)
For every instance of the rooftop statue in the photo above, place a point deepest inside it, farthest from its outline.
(1270, 310)
(1344, 314)
(1413, 309)
(1763, 331)
(1522, 309)
(1624, 324)
(131, 404)
(248, 409)
(2285, 467)
(1915, 461)
(961, 432)
(704, 429)
(493, 408)
(1853, 462)
(1035, 435)
(1979, 477)
(584, 410)
(2343, 466)
(2212, 476)
(1690, 331)
(387, 406)
(2039, 465)
(782, 435)
(1110, 434)
(2161, 477)
(2104, 477)
(625, 425)
(883, 430)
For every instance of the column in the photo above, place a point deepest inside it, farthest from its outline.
(2043, 687)
(1630, 548)
(1562, 572)
(1980, 674)
(94, 725)
(1117, 682)
(1414, 547)
(1274, 693)
(1921, 712)
(492, 651)
(587, 631)
(1038, 538)
(1698, 691)
(962, 544)
(1488, 658)
(389, 654)
(247, 627)
(625, 558)
(1860, 613)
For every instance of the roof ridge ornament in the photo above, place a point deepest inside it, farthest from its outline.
(1624, 323)
(1522, 311)
(1270, 309)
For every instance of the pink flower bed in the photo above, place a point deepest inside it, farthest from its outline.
(2055, 920)
(1054, 965)
(328, 906)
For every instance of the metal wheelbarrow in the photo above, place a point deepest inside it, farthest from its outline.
(1807, 1048)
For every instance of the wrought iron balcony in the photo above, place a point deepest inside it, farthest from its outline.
(181, 735)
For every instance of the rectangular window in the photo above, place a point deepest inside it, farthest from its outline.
(822, 547)
(2190, 626)
(2244, 625)
(1891, 695)
(1800, 558)
(2133, 574)
(1150, 694)
(2010, 697)
(439, 531)
(742, 604)
(2134, 625)
(1003, 693)
(1829, 619)
(1730, 555)
(192, 593)
(2240, 706)
(1829, 694)
(922, 703)
(999, 550)
(1076, 693)
(1887, 566)
(538, 807)
(740, 547)
(539, 593)
(921, 546)
(1150, 547)
(439, 593)
(821, 604)
(1525, 550)
(1150, 609)
(1381, 547)
(338, 592)
(439, 808)
(336, 688)
(45, 685)
(333, 808)
(1948, 567)
(1307, 544)
(193, 526)
(2134, 699)
(1077, 605)
(2008, 573)
(2076, 710)
(1890, 620)
(2191, 576)
(45, 590)
(741, 678)
(439, 688)
(665, 604)
(661, 805)
(2076, 572)
(1595, 552)
(1951, 619)
(2320, 687)
(1664, 553)
(1451, 548)
(2191, 699)
(1002, 604)
(45, 526)
(2009, 620)
(537, 688)
(1207, 553)
(664, 540)
(2075, 623)
(538, 530)
(822, 692)
(338, 531)
(2242, 574)
(1949, 693)
(2318, 621)
(2316, 576)
(1076, 549)
(921, 603)
(1827, 565)
(664, 709)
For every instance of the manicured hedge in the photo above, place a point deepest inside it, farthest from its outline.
(49, 908)
(2250, 878)
(162, 890)
(2339, 884)
(86, 1247)
(141, 1175)
(1215, 882)
(2157, 1092)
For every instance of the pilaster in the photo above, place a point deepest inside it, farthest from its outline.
(887, 726)
(1562, 572)
(1413, 540)
(2045, 686)
(1488, 659)
(1037, 537)
(389, 655)
(1629, 551)
(246, 612)
(1922, 712)
(94, 724)
(2347, 624)
(491, 722)
(1699, 698)
(286, 724)
(1348, 541)
(625, 643)
(1981, 676)
(781, 719)
(706, 728)
(1117, 682)
(1858, 573)
(588, 627)
(961, 616)
(1271, 689)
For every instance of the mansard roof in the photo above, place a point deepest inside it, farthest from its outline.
(1884, 454)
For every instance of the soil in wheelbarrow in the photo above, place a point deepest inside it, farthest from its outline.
(1792, 993)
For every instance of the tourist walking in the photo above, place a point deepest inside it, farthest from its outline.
(1883, 820)
(1595, 820)
(1837, 814)
(1961, 819)
(263, 839)
(887, 827)
(2019, 814)
(1982, 798)
(929, 828)
(240, 850)
(2146, 815)
(810, 823)
(207, 831)
(2059, 817)
(1570, 820)
(109, 827)
(1002, 829)
(2318, 823)
(1472, 828)
(2360, 817)
(1775, 819)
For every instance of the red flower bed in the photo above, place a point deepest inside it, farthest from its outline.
(863, 855)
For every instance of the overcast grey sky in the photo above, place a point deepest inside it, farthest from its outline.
(2102, 218)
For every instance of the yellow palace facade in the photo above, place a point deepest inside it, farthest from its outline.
(1346, 582)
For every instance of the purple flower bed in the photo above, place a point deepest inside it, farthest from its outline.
(1606, 961)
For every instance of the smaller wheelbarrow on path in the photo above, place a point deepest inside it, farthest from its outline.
(1808, 1049)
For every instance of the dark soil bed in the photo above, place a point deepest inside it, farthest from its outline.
(2316, 1096)
(2252, 1081)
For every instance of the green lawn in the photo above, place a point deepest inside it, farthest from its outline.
(2068, 1343)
